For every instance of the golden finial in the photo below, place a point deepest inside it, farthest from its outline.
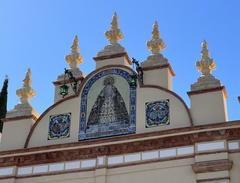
(206, 64)
(74, 59)
(26, 92)
(156, 44)
(114, 34)
(75, 48)
(27, 80)
(205, 53)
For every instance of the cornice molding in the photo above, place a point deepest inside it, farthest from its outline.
(123, 54)
(220, 88)
(155, 67)
(212, 166)
(37, 156)
(222, 127)
(33, 117)
(56, 83)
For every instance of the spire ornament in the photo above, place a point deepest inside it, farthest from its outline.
(26, 92)
(156, 44)
(206, 64)
(74, 58)
(114, 34)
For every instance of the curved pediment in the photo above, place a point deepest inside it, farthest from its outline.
(108, 105)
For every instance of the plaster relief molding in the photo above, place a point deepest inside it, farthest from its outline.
(205, 82)
(113, 35)
(106, 162)
(212, 166)
(205, 65)
(159, 67)
(24, 94)
(215, 180)
(111, 49)
(130, 138)
(38, 156)
(155, 60)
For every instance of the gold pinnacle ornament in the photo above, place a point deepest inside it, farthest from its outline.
(156, 44)
(74, 59)
(206, 64)
(26, 92)
(114, 34)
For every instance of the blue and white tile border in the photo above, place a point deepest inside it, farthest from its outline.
(84, 96)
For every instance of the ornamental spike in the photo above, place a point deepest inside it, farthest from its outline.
(75, 48)
(74, 58)
(26, 92)
(156, 44)
(27, 82)
(114, 34)
(206, 64)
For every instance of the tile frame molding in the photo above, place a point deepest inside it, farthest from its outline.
(83, 135)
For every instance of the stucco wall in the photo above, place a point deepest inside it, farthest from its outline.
(158, 77)
(15, 134)
(167, 172)
(207, 108)
(112, 61)
(178, 112)
(40, 134)
(234, 173)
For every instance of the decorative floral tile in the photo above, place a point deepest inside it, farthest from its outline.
(59, 126)
(157, 113)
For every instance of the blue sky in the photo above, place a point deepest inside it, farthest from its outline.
(38, 34)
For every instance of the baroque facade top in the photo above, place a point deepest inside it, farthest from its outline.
(118, 124)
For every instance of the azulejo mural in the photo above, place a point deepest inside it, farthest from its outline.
(157, 113)
(112, 110)
(59, 126)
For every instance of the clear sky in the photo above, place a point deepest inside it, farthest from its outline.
(38, 34)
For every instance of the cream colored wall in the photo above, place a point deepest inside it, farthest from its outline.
(79, 177)
(207, 108)
(113, 61)
(40, 134)
(57, 95)
(15, 133)
(158, 77)
(167, 172)
(10, 180)
(234, 173)
(172, 171)
(178, 114)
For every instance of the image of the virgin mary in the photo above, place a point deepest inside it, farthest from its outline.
(109, 106)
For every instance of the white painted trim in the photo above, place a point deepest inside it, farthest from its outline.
(122, 159)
